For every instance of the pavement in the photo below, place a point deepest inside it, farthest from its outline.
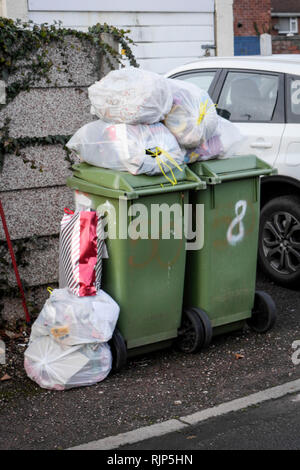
(154, 388)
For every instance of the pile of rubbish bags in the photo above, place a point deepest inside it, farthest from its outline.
(149, 124)
(146, 124)
(68, 345)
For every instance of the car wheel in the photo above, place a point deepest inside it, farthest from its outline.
(279, 240)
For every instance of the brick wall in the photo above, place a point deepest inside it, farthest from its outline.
(286, 45)
(247, 12)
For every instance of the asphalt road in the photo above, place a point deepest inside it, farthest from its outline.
(151, 389)
(272, 425)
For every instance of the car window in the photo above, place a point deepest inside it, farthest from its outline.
(201, 79)
(249, 96)
(293, 98)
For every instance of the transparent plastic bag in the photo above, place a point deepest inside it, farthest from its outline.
(222, 145)
(72, 320)
(131, 95)
(58, 367)
(193, 117)
(123, 147)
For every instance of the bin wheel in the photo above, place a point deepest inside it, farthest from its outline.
(263, 313)
(194, 333)
(119, 351)
(206, 324)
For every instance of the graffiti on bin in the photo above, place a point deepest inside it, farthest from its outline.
(240, 212)
(222, 221)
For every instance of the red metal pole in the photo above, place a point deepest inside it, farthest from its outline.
(10, 247)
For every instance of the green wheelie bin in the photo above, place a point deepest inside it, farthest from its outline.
(144, 273)
(220, 277)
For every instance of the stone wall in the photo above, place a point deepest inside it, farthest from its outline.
(286, 44)
(34, 200)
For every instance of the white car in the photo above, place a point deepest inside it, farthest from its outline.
(261, 95)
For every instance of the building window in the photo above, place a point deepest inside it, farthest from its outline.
(287, 25)
(294, 25)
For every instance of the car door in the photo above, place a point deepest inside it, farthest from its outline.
(288, 162)
(254, 101)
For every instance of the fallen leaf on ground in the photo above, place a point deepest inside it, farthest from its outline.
(10, 334)
(239, 356)
(5, 377)
(191, 437)
(13, 335)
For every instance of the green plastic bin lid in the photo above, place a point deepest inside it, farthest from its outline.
(236, 167)
(110, 183)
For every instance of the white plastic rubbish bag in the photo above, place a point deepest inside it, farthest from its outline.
(72, 320)
(132, 96)
(223, 144)
(57, 367)
(193, 117)
(123, 147)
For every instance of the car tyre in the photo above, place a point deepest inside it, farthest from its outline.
(279, 240)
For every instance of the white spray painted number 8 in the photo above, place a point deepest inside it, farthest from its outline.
(240, 211)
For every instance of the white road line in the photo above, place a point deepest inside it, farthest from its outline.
(159, 429)
(245, 402)
(132, 437)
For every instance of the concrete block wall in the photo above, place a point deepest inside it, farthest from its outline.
(34, 200)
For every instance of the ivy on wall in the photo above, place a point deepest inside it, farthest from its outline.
(24, 50)
(9, 145)
(24, 61)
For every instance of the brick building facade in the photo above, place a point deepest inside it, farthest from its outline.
(279, 18)
(247, 13)
(285, 18)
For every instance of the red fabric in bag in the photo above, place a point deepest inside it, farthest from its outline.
(81, 250)
(88, 253)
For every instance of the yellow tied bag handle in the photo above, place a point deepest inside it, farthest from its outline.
(162, 163)
(50, 290)
(203, 110)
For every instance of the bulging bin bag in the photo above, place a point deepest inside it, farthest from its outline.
(80, 252)
(223, 144)
(138, 149)
(57, 367)
(193, 117)
(132, 96)
(72, 320)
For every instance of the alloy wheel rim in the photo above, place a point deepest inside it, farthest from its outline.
(281, 242)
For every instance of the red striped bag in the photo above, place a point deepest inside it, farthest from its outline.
(80, 252)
